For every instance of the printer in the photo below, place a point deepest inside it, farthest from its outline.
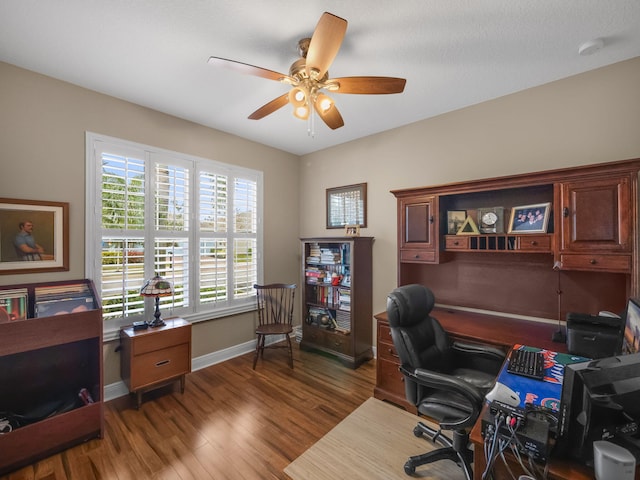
(594, 336)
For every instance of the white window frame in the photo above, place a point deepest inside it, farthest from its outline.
(195, 311)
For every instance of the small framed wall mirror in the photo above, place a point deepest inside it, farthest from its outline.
(347, 206)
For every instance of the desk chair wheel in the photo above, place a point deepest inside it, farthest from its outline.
(417, 431)
(409, 468)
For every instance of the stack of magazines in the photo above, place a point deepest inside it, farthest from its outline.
(62, 299)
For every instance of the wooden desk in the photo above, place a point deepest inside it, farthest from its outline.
(502, 332)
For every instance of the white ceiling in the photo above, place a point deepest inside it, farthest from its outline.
(453, 53)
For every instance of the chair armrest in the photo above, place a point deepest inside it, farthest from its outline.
(480, 357)
(443, 382)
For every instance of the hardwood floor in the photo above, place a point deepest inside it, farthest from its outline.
(231, 423)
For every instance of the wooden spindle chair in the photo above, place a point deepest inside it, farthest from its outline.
(275, 317)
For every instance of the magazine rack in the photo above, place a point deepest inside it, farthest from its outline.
(52, 361)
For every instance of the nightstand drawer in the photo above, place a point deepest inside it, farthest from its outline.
(163, 338)
(160, 365)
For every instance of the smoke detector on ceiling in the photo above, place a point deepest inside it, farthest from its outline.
(590, 47)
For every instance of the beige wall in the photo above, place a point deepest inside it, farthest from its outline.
(42, 133)
(589, 118)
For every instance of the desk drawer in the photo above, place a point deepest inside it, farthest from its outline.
(417, 256)
(149, 342)
(456, 242)
(384, 333)
(160, 365)
(604, 263)
(534, 243)
(389, 378)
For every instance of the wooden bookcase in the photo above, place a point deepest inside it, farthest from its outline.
(44, 361)
(337, 318)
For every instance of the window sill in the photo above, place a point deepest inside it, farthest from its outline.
(112, 329)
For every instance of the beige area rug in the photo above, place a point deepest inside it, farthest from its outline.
(373, 442)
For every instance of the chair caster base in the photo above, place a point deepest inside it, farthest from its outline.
(409, 468)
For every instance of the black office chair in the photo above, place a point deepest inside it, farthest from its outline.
(445, 380)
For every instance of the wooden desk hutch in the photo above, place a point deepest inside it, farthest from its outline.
(586, 261)
(591, 240)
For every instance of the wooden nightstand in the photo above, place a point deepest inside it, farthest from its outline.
(155, 356)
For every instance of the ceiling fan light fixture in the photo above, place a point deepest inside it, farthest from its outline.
(301, 112)
(309, 74)
(298, 97)
(324, 103)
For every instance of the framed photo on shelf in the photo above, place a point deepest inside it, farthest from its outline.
(347, 206)
(352, 230)
(34, 236)
(455, 219)
(530, 218)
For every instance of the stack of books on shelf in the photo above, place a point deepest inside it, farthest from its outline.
(314, 253)
(344, 299)
(13, 304)
(314, 274)
(62, 299)
(329, 256)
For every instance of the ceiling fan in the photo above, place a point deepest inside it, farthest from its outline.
(309, 76)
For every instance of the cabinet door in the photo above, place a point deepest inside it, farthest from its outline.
(596, 216)
(417, 232)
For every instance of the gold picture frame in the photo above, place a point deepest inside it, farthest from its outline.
(352, 230)
(34, 236)
(530, 218)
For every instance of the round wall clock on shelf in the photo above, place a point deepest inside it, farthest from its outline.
(491, 219)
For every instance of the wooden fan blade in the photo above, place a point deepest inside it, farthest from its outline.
(325, 43)
(369, 85)
(246, 69)
(270, 107)
(331, 117)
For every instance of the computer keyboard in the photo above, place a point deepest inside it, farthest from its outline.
(526, 363)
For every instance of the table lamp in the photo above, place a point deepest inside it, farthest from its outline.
(157, 287)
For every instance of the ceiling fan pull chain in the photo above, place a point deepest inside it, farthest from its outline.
(311, 124)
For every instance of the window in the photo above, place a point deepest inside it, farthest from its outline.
(194, 221)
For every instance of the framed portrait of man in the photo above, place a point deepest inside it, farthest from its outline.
(34, 236)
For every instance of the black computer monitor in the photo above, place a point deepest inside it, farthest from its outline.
(600, 401)
(631, 342)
